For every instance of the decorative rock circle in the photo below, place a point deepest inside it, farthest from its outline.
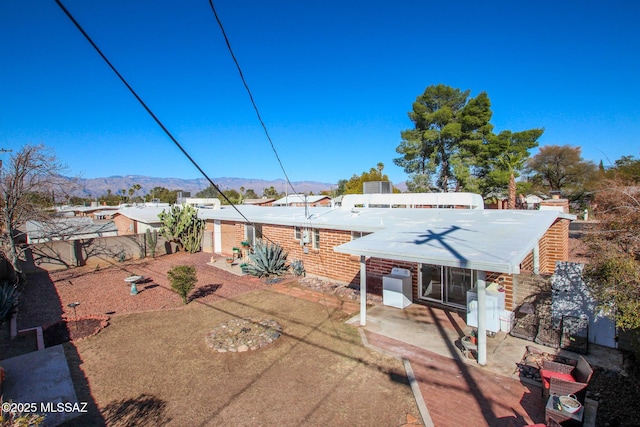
(239, 335)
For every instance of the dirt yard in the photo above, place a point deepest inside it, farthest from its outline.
(151, 365)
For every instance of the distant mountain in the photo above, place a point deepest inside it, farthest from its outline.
(96, 187)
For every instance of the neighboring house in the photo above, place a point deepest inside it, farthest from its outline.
(264, 201)
(206, 203)
(533, 201)
(301, 200)
(69, 211)
(68, 229)
(413, 200)
(104, 214)
(139, 219)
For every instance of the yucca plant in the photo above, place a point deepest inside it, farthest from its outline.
(8, 298)
(267, 259)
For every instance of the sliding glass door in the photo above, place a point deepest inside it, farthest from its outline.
(447, 285)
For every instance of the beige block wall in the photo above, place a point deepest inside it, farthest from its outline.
(102, 251)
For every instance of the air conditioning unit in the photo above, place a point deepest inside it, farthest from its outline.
(377, 187)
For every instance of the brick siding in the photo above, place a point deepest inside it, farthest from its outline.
(324, 262)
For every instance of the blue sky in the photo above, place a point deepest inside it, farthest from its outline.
(333, 80)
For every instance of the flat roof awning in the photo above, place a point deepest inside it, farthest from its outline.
(487, 240)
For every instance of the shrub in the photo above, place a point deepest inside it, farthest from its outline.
(183, 279)
(267, 260)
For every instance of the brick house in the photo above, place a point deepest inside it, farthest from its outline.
(138, 219)
(459, 244)
(451, 252)
(299, 200)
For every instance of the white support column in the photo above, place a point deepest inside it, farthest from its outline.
(363, 290)
(217, 237)
(536, 258)
(482, 317)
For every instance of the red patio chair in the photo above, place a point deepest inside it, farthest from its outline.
(577, 385)
(562, 379)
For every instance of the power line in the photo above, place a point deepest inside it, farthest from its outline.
(246, 86)
(144, 105)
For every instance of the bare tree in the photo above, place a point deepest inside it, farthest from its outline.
(614, 251)
(27, 185)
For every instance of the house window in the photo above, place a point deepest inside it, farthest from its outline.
(252, 232)
(358, 234)
(316, 239)
(297, 233)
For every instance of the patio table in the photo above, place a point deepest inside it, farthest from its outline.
(553, 411)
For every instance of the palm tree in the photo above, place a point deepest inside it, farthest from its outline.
(508, 152)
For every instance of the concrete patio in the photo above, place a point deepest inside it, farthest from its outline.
(429, 339)
(439, 331)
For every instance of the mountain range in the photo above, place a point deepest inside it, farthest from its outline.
(96, 187)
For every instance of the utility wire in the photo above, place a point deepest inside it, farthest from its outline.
(246, 86)
(144, 105)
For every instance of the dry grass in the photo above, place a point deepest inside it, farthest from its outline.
(154, 368)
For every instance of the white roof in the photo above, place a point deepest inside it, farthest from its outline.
(142, 213)
(298, 198)
(487, 240)
(470, 200)
(67, 227)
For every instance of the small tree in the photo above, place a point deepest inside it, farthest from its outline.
(183, 279)
(27, 182)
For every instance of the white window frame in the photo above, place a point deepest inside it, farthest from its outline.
(358, 234)
(315, 237)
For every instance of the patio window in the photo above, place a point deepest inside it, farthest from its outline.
(252, 232)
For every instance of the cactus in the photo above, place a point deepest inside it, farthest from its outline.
(152, 241)
(267, 260)
(182, 226)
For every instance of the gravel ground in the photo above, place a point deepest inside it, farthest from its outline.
(47, 297)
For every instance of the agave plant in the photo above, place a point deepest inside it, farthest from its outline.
(267, 259)
(8, 298)
(298, 267)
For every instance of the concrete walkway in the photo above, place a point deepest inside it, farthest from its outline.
(42, 378)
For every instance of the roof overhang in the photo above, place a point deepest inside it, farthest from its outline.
(487, 240)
